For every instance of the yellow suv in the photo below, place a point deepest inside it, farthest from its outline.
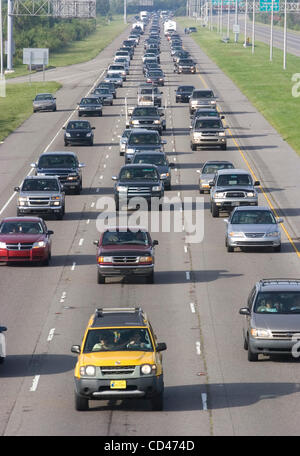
(119, 359)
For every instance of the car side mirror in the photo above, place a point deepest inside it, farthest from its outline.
(3, 328)
(161, 346)
(244, 311)
(155, 242)
(114, 178)
(93, 128)
(163, 141)
(75, 349)
(49, 232)
(162, 114)
(222, 117)
(256, 183)
(82, 165)
(279, 220)
(17, 189)
(172, 165)
(33, 165)
(211, 184)
(96, 243)
(63, 128)
(226, 220)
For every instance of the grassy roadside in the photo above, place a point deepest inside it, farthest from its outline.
(81, 51)
(265, 83)
(17, 105)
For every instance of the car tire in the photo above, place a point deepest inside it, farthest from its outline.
(214, 210)
(2, 358)
(79, 115)
(193, 147)
(251, 356)
(47, 261)
(228, 247)
(100, 278)
(277, 248)
(245, 344)
(100, 114)
(157, 402)
(66, 143)
(60, 215)
(81, 403)
(224, 147)
(201, 191)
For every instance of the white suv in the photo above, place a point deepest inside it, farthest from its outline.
(2, 344)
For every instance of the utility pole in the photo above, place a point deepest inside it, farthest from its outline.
(9, 36)
(125, 11)
(236, 21)
(284, 37)
(271, 32)
(246, 14)
(253, 26)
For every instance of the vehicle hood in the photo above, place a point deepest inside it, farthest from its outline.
(133, 117)
(208, 130)
(277, 322)
(144, 146)
(56, 171)
(125, 358)
(252, 228)
(235, 188)
(132, 249)
(207, 177)
(139, 183)
(40, 194)
(14, 238)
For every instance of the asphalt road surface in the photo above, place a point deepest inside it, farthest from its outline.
(210, 387)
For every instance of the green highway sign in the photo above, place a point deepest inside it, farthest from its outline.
(266, 5)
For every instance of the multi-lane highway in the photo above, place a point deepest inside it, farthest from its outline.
(210, 387)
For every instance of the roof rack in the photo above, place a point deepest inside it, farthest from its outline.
(267, 281)
(107, 310)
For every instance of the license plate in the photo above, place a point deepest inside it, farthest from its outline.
(235, 203)
(118, 384)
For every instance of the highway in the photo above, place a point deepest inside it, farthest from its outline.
(210, 387)
(262, 33)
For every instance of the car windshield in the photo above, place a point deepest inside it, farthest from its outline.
(208, 123)
(209, 113)
(284, 302)
(146, 91)
(253, 217)
(203, 94)
(44, 97)
(135, 174)
(38, 185)
(145, 112)
(234, 179)
(125, 237)
(57, 161)
(155, 159)
(186, 62)
(213, 168)
(118, 339)
(89, 101)
(116, 67)
(143, 138)
(102, 91)
(185, 89)
(155, 73)
(21, 228)
(78, 125)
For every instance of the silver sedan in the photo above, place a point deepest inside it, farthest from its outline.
(250, 226)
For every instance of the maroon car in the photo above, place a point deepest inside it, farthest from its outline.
(25, 239)
(125, 252)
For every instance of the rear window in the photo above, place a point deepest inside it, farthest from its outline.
(203, 94)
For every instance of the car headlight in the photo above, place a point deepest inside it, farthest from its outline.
(70, 178)
(68, 135)
(219, 194)
(146, 259)
(156, 188)
(130, 151)
(197, 134)
(2, 245)
(39, 244)
(88, 135)
(273, 234)
(213, 102)
(98, 107)
(221, 133)
(157, 122)
(121, 188)
(134, 122)
(250, 194)
(147, 369)
(105, 259)
(261, 333)
(88, 370)
(22, 201)
(236, 234)
(164, 175)
(55, 198)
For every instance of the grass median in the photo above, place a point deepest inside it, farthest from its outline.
(17, 105)
(265, 83)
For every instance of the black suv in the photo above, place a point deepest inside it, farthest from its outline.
(158, 159)
(109, 85)
(183, 93)
(185, 66)
(138, 181)
(272, 318)
(148, 117)
(64, 165)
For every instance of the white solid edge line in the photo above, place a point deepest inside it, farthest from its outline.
(35, 382)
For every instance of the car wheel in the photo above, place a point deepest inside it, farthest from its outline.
(100, 114)
(81, 403)
(224, 147)
(245, 344)
(2, 359)
(229, 248)
(100, 278)
(79, 114)
(251, 356)
(277, 248)
(19, 214)
(201, 191)
(60, 215)
(91, 143)
(214, 210)
(193, 147)
(47, 260)
(66, 143)
(157, 402)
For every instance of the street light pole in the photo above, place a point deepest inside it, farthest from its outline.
(125, 11)
(246, 14)
(284, 37)
(253, 27)
(1, 42)
(271, 32)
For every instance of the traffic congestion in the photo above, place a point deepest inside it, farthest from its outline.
(118, 355)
